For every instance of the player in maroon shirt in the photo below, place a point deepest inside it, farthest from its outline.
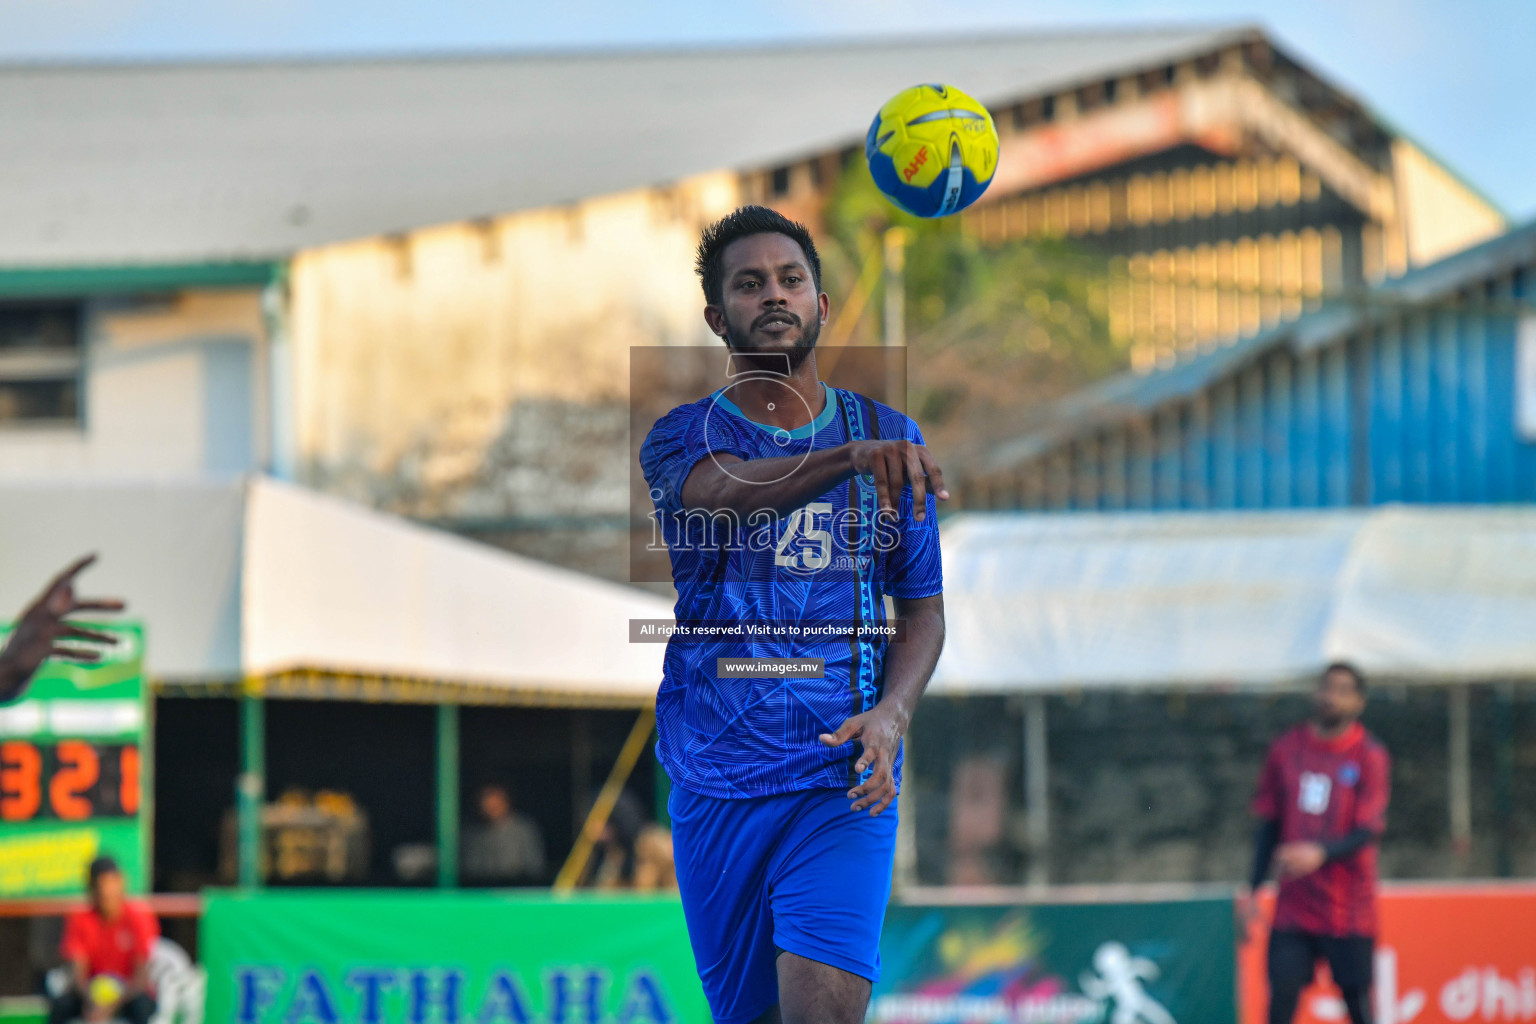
(1322, 806)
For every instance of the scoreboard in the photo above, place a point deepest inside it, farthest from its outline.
(73, 773)
(68, 780)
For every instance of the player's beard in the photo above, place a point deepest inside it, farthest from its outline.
(739, 341)
(1326, 717)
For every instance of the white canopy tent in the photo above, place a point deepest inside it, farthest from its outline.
(1421, 594)
(253, 578)
(286, 592)
(1041, 603)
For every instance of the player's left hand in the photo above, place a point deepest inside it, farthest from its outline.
(878, 731)
(1297, 859)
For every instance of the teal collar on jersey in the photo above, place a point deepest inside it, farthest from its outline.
(809, 430)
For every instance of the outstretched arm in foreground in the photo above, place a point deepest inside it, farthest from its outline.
(43, 624)
(723, 482)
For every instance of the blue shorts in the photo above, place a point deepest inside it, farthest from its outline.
(798, 872)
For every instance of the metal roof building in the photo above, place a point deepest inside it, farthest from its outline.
(192, 163)
(366, 275)
(202, 162)
(1422, 389)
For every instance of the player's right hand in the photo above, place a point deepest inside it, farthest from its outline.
(894, 465)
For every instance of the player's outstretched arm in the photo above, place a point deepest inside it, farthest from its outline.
(724, 482)
(879, 730)
(43, 624)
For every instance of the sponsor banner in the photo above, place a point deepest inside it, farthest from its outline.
(1130, 963)
(446, 958)
(74, 772)
(1446, 954)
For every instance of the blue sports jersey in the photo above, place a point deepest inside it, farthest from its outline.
(825, 565)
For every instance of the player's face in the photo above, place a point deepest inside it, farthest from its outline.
(769, 301)
(108, 893)
(1337, 700)
(494, 804)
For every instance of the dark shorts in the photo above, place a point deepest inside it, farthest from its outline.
(798, 872)
(1294, 956)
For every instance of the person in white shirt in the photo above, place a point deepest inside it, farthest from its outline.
(506, 848)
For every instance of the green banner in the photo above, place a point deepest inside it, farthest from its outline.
(447, 958)
(1117, 963)
(75, 772)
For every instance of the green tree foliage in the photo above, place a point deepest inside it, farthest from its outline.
(994, 331)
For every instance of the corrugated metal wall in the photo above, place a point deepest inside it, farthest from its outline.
(1418, 408)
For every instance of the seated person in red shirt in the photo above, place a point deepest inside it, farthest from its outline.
(111, 938)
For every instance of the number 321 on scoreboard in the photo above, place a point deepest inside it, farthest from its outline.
(68, 780)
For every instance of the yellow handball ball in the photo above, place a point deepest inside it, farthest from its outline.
(105, 990)
(932, 150)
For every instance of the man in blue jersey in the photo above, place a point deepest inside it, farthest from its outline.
(790, 509)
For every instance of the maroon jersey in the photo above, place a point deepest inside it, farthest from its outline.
(1319, 791)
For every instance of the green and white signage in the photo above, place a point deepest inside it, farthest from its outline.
(74, 772)
(447, 958)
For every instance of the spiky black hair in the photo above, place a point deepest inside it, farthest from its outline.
(1353, 672)
(748, 220)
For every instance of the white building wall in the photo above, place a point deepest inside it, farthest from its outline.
(172, 387)
(420, 360)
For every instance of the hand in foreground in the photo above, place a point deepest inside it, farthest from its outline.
(43, 624)
(894, 465)
(879, 733)
(1297, 859)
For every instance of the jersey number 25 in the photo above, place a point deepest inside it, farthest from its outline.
(802, 521)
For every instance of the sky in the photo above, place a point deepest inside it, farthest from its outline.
(1456, 75)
